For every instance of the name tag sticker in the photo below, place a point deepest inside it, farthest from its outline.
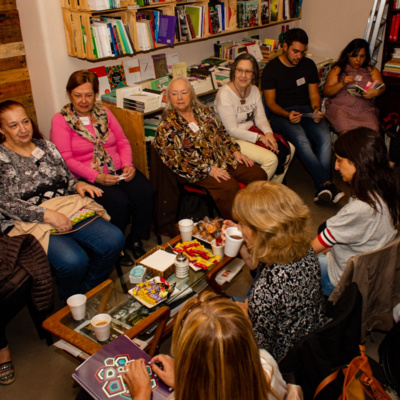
(194, 127)
(85, 120)
(37, 153)
(301, 81)
(358, 78)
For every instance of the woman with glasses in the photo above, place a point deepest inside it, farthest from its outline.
(239, 105)
(215, 358)
(193, 143)
(96, 150)
(285, 301)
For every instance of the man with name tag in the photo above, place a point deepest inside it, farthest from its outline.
(290, 86)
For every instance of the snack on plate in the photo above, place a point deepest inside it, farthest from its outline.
(197, 254)
(208, 229)
(152, 291)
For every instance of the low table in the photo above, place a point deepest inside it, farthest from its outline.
(129, 316)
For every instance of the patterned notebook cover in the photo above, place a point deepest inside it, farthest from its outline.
(101, 374)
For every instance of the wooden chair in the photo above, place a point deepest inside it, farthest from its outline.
(377, 274)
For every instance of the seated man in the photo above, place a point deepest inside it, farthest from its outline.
(290, 86)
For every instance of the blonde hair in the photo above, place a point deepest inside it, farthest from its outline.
(279, 220)
(194, 101)
(216, 355)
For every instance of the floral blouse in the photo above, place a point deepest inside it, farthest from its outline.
(286, 303)
(26, 182)
(190, 152)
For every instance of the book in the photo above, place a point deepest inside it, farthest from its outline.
(160, 65)
(103, 79)
(147, 68)
(265, 12)
(116, 76)
(356, 90)
(126, 91)
(101, 374)
(214, 26)
(132, 71)
(167, 29)
(183, 32)
(196, 16)
(274, 10)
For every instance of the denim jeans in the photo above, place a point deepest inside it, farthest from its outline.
(305, 136)
(327, 287)
(83, 259)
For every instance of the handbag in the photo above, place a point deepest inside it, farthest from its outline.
(359, 382)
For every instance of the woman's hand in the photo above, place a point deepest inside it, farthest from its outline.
(128, 173)
(226, 224)
(107, 179)
(83, 187)
(60, 221)
(269, 140)
(166, 374)
(242, 159)
(346, 80)
(137, 379)
(219, 173)
(371, 94)
(294, 117)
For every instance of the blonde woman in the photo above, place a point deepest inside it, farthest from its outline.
(215, 357)
(285, 301)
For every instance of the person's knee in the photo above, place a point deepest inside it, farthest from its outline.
(70, 264)
(113, 242)
(270, 164)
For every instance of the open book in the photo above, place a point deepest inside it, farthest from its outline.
(356, 90)
(101, 374)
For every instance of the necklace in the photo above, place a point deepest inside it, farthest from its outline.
(242, 97)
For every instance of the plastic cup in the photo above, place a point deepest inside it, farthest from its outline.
(101, 324)
(186, 229)
(218, 250)
(77, 305)
(233, 241)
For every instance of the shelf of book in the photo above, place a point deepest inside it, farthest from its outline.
(89, 37)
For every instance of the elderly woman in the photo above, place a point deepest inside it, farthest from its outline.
(240, 107)
(285, 300)
(193, 143)
(33, 176)
(343, 110)
(215, 357)
(95, 149)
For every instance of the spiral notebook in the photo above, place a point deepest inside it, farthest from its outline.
(101, 374)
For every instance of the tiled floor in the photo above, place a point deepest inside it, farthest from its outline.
(44, 373)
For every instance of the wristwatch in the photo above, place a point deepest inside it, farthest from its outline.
(258, 138)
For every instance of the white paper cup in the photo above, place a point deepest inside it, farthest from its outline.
(232, 244)
(77, 305)
(101, 324)
(186, 229)
(217, 250)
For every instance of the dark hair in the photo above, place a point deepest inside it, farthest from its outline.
(9, 105)
(352, 49)
(78, 78)
(296, 35)
(249, 57)
(373, 178)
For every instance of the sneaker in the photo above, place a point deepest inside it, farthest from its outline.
(323, 196)
(336, 193)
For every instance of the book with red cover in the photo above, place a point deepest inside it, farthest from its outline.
(101, 374)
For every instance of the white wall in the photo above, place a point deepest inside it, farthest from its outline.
(330, 25)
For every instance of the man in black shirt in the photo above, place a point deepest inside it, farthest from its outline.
(290, 86)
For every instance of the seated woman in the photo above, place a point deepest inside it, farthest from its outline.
(285, 300)
(193, 143)
(95, 149)
(215, 357)
(240, 107)
(32, 172)
(343, 110)
(370, 218)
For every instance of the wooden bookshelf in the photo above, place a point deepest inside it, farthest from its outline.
(77, 17)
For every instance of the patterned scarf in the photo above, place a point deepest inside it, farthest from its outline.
(100, 125)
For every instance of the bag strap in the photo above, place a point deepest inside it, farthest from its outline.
(98, 215)
(329, 379)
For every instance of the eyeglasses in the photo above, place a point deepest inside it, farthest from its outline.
(197, 305)
(241, 71)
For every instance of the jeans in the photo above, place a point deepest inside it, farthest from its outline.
(327, 287)
(83, 259)
(305, 135)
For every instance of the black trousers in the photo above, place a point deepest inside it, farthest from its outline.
(130, 199)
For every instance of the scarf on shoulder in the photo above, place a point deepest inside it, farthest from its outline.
(100, 124)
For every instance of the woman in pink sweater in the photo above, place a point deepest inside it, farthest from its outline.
(96, 149)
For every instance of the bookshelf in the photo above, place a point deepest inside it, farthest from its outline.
(77, 18)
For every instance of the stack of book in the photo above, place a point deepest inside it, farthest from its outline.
(103, 4)
(392, 67)
(146, 101)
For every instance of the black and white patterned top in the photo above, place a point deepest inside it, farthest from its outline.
(286, 303)
(26, 182)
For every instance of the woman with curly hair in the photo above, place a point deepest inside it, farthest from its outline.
(285, 300)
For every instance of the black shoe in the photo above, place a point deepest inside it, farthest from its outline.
(324, 196)
(336, 193)
(137, 250)
(126, 260)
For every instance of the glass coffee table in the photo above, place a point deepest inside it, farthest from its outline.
(146, 325)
